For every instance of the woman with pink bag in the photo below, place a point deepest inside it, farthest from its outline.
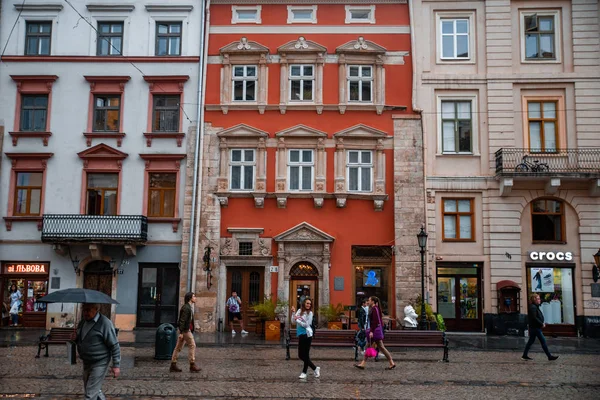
(375, 334)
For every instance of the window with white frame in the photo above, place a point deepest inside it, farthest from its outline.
(454, 38)
(302, 15)
(457, 126)
(241, 164)
(360, 83)
(300, 169)
(359, 170)
(540, 37)
(302, 79)
(246, 14)
(244, 82)
(360, 14)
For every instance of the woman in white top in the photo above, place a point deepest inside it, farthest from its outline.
(303, 319)
(15, 302)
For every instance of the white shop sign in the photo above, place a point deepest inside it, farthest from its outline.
(551, 256)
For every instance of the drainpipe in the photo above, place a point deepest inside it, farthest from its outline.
(416, 109)
(198, 153)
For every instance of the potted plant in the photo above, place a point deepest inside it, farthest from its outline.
(431, 317)
(266, 312)
(332, 313)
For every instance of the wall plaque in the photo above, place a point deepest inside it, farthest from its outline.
(338, 283)
(55, 282)
(595, 289)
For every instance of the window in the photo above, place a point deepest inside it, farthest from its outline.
(302, 79)
(300, 169)
(457, 127)
(547, 220)
(360, 79)
(38, 38)
(110, 39)
(540, 37)
(244, 83)
(542, 122)
(360, 14)
(245, 249)
(360, 171)
(28, 193)
(102, 191)
(556, 288)
(166, 114)
(245, 14)
(168, 38)
(455, 38)
(458, 220)
(242, 164)
(34, 111)
(107, 110)
(307, 15)
(161, 194)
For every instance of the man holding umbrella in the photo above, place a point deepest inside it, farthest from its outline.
(97, 344)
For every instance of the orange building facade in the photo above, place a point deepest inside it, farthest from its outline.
(312, 173)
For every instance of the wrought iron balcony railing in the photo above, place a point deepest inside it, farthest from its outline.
(579, 163)
(94, 228)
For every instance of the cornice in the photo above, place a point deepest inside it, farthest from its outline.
(52, 7)
(291, 2)
(169, 8)
(97, 7)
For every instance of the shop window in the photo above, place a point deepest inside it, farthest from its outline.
(161, 194)
(542, 124)
(102, 192)
(458, 293)
(245, 249)
(372, 281)
(556, 290)
(300, 169)
(168, 38)
(458, 220)
(242, 166)
(547, 221)
(38, 38)
(110, 39)
(28, 193)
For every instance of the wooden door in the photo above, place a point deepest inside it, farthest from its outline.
(158, 294)
(98, 276)
(249, 285)
(459, 298)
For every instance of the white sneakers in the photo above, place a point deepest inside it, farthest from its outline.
(317, 372)
(302, 376)
(244, 332)
(233, 332)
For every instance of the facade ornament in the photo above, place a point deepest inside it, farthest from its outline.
(341, 202)
(263, 248)
(243, 44)
(301, 43)
(227, 247)
(361, 44)
(318, 202)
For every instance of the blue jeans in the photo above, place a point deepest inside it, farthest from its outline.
(536, 333)
(15, 318)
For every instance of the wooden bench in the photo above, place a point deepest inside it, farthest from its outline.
(56, 336)
(414, 338)
(324, 338)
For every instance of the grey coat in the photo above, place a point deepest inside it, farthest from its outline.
(100, 344)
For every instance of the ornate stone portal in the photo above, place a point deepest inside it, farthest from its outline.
(305, 243)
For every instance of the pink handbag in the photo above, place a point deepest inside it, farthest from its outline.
(370, 352)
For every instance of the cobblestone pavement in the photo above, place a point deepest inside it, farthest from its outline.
(263, 373)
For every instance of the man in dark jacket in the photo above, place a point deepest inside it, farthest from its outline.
(536, 323)
(186, 334)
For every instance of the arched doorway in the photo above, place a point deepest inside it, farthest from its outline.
(304, 281)
(98, 276)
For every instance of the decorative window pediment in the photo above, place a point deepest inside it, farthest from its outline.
(244, 46)
(304, 232)
(302, 46)
(361, 46)
(102, 156)
(361, 131)
(242, 131)
(301, 131)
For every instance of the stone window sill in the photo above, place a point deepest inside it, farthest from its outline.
(318, 198)
(165, 220)
(89, 136)
(178, 136)
(8, 221)
(45, 136)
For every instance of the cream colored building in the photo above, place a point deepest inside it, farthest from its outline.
(510, 98)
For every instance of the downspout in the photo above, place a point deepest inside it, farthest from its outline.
(419, 111)
(197, 186)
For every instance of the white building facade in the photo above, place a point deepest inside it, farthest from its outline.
(98, 103)
(509, 92)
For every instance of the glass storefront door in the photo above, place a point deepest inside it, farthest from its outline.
(459, 296)
(158, 294)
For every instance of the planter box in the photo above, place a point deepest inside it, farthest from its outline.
(335, 325)
(272, 330)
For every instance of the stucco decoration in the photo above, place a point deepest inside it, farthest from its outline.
(244, 46)
(304, 231)
(302, 45)
(360, 45)
(226, 246)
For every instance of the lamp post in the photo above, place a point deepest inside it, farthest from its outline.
(422, 239)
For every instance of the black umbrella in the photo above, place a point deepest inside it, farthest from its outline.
(77, 295)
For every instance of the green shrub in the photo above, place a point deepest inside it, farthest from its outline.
(331, 313)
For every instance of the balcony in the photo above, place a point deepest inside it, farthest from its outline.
(109, 229)
(523, 164)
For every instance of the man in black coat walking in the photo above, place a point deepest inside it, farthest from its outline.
(536, 323)
(186, 334)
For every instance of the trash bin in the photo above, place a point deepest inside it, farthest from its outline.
(166, 340)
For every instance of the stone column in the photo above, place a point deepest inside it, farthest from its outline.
(325, 290)
(281, 293)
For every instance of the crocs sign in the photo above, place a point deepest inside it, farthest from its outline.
(551, 256)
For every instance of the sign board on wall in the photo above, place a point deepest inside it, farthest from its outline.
(338, 283)
(25, 268)
(273, 268)
(542, 280)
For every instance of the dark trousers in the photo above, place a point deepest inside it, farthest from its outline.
(536, 333)
(304, 352)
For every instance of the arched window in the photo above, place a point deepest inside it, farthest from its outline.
(304, 269)
(548, 221)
